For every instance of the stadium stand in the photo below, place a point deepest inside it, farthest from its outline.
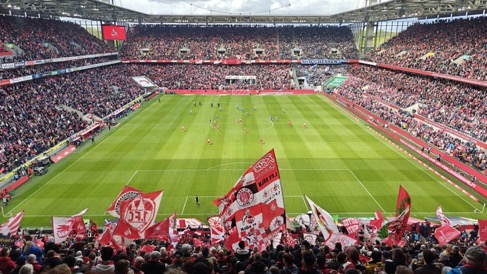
(31, 39)
(210, 77)
(37, 69)
(454, 47)
(33, 117)
(238, 42)
(193, 254)
(366, 93)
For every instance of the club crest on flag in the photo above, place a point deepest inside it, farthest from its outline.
(245, 197)
(140, 212)
(248, 218)
(276, 223)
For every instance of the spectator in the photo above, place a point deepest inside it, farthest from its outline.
(6, 264)
(154, 265)
(106, 266)
(475, 261)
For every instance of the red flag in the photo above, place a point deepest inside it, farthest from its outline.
(352, 225)
(198, 243)
(161, 231)
(141, 211)
(482, 231)
(126, 231)
(106, 237)
(257, 199)
(78, 225)
(375, 225)
(445, 234)
(398, 226)
(147, 248)
(12, 225)
(403, 201)
(127, 193)
(93, 227)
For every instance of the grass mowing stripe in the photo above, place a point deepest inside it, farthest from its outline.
(318, 161)
(403, 156)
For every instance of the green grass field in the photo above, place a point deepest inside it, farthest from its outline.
(336, 161)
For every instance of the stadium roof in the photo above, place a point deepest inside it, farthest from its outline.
(102, 11)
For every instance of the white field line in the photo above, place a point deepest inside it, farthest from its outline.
(370, 194)
(52, 179)
(398, 153)
(184, 206)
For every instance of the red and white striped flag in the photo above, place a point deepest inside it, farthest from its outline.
(216, 227)
(441, 217)
(12, 225)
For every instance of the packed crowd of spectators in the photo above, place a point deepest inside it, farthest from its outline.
(368, 95)
(194, 254)
(213, 77)
(44, 39)
(331, 42)
(30, 70)
(238, 42)
(445, 41)
(458, 106)
(31, 117)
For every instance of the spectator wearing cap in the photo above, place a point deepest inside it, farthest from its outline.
(308, 265)
(429, 267)
(154, 264)
(6, 264)
(106, 266)
(475, 262)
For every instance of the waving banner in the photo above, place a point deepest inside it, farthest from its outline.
(253, 210)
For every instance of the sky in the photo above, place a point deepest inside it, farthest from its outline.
(241, 7)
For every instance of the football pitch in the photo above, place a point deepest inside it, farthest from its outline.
(335, 160)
